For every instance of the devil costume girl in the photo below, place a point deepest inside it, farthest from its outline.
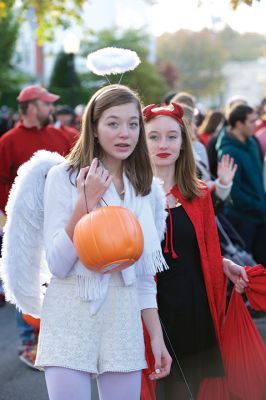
(191, 294)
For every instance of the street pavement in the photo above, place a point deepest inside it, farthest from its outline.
(19, 382)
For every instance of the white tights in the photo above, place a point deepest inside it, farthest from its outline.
(69, 384)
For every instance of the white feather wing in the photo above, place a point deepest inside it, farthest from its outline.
(23, 266)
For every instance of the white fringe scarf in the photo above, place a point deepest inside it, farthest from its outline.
(93, 286)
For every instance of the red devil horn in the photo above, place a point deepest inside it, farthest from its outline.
(147, 111)
(178, 111)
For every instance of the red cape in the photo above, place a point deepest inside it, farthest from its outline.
(200, 212)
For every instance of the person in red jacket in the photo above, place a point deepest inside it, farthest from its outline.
(34, 132)
(191, 294)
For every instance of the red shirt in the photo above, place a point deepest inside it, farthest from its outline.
(204, 138)
(20, 143)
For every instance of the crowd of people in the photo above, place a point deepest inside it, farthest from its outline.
(209, 166)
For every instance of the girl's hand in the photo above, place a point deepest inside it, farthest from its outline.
(95, 180)
(226, 170)
(162, 359)
(236, 274)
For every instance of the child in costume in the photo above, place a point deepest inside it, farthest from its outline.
(191, 294)
(91, 322)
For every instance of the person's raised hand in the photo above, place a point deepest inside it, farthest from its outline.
(226, 170)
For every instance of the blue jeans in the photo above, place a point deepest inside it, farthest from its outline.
(26, 333)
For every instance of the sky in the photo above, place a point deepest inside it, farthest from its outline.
(172, 15)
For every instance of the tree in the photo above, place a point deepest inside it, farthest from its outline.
(63, 72)
(145, 79)
(198, 57)
(64, 79)
(241, 47)
(236, 3)
(50, 14)
(9, 29)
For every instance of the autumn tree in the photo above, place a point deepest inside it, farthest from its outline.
(236, 3)
(241, 46)
(198, 57)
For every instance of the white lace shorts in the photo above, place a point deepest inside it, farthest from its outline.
(110, 341)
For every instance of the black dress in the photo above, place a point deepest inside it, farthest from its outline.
(183, 306)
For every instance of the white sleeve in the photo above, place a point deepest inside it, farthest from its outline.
(222, 191)
(59, 249)
(147, 291)
(158, 203)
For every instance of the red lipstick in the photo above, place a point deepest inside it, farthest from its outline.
(163, 155)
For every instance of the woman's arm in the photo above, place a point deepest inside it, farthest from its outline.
(162, 359)
(236, 274)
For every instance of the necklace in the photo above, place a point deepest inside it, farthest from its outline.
(172, 204)
(177, 204)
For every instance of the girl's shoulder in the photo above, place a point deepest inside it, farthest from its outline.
(59, 171)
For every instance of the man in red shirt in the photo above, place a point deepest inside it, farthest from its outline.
(34, 132)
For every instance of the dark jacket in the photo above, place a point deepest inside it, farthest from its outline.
(247, 193)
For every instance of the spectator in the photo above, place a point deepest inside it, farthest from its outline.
(211, 147)
(64, 115)
(65, 120)
(247, 211)
(212, 122)
(200, 113)
(6, 120)
(185, 98)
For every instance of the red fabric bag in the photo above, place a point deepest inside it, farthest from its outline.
(148, 386)
(256, 290)
(213, 388)
(244, 353)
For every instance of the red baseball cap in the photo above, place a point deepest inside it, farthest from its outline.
(36, 92)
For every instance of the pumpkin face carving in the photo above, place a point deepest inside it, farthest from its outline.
(108, 239)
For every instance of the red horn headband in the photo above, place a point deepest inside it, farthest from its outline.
(174, 110)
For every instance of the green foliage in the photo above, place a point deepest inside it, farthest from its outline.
(64, 74)
(145, 79)
(72, 97)
(198, 57)
(65, 81)
(10, 78)
(242, 47)
(51, 14)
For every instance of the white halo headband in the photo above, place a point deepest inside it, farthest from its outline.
(112, 60)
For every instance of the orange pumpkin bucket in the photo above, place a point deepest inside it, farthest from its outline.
(108, 239)
(34, 322)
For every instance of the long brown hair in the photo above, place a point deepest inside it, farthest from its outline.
(137, 166)
(185, 168)
(211, 122)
